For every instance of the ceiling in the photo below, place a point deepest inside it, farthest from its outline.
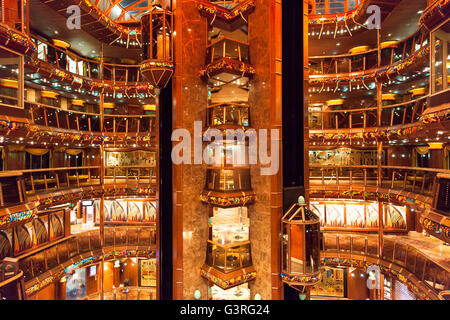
(82, 43)
(399, 24)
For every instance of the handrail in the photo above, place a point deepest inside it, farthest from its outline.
(401, 104)
(396, 247)
(326, 8)
(120, 291)
(346, 57)
(82, 243)
(99, 66)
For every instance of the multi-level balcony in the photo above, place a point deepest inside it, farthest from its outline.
(417, 261)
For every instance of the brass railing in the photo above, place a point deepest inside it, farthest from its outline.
(50, 116)
(394, 251)
(391, 53)
(403, 113)
(125, 293)
(97, 70)
(54, 179)
(43, 259)
(411, 179)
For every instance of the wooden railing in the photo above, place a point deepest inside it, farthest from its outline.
(125, 293)
(80, 66)
(332, 7)
(403, 113)
(41, 260)
(54, 179)
(50, 116)
(394, 251)
(411, 179)
(369, 60)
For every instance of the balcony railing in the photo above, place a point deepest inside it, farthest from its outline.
(125, 293)
(391, 53)
(50, 116)
(227, 48)
(12, 14)
(403, 113)
(332, 7)
(96, 70)
(46, 258)
(394, 251)
(54, 179)
(411, 179)
(228, 258)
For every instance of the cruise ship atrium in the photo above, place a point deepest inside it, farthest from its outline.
(225, 150)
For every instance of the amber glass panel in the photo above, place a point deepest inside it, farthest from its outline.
(109, 237)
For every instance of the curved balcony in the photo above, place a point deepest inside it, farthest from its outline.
(349, 16)
(51, 262)
(98, 24)
(55, 62)
(49, 122)
(363, 58)
(403, 185)
(413, 259)
(125, 293)
(409, 119)
(435, 13)
(366, 65)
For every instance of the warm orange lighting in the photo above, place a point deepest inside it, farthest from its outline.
(337, 102)
(61, 44)
(49, 94)
(149, 107)
(359, 49)
(389, 44)
(79, 103)
(388, 96)
(7, 83)
(417, 92)
(435, 145)
(108, 105)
